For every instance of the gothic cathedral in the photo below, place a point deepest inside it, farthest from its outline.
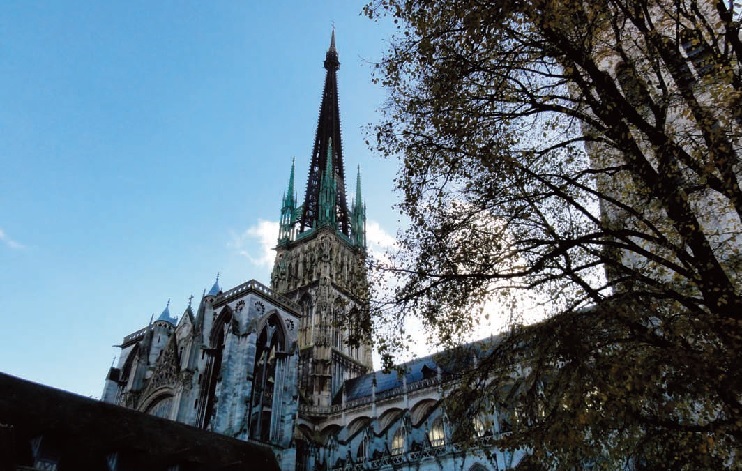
(290, 366)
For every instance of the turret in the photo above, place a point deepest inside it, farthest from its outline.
(287, 227)
(358, 217)
(215, 289)
(165, 315)
(161, 330)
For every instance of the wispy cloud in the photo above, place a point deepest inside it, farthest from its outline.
(381, 244)
(5, 239)
(256, 243)
(377, 237)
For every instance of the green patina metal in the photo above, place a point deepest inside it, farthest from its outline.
(325, 199)
(358, 216)
(288, 212)
(328, 193)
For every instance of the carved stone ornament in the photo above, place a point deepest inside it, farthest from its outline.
(166, 371)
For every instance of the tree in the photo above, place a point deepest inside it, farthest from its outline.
(587, 151)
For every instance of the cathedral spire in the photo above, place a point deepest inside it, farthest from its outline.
(288, 212)
(358, 216)
(328, 130)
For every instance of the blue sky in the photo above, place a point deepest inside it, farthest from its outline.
(145, 146)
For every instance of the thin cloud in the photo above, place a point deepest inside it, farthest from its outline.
(256, 243)
(5, 239)
(377, 237)
(381, 244)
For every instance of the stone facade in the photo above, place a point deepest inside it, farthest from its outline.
(229, 369)
(326, 277)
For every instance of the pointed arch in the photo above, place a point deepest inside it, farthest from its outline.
(357, 425)
(224, 317)
(422, 410)
(274, 319)
(329, 432)
(213, 368)
(389, 417)
(126, 369)
(268, 375)
(399, 441)
(159, 403)
(437, 433)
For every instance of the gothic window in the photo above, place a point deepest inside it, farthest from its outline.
(128, 364)
(213, 366)
(480, 429)
(398, 441)
(266, 373)
(436, 435)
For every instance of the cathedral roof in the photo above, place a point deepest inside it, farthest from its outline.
(450, 362)
(165, 315)
(215, 289)
(327, 144)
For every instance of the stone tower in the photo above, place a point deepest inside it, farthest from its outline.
(320, 261)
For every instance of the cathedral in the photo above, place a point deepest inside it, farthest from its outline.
(288, 365)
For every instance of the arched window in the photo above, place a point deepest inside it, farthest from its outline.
(437, 435)
(213, 367)
(480, 428)
(398, 441)
(268, 348)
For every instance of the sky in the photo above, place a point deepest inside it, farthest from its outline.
(145, 147)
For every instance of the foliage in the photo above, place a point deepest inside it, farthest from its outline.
(587, 151)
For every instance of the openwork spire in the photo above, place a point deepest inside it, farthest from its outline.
(328, 130)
